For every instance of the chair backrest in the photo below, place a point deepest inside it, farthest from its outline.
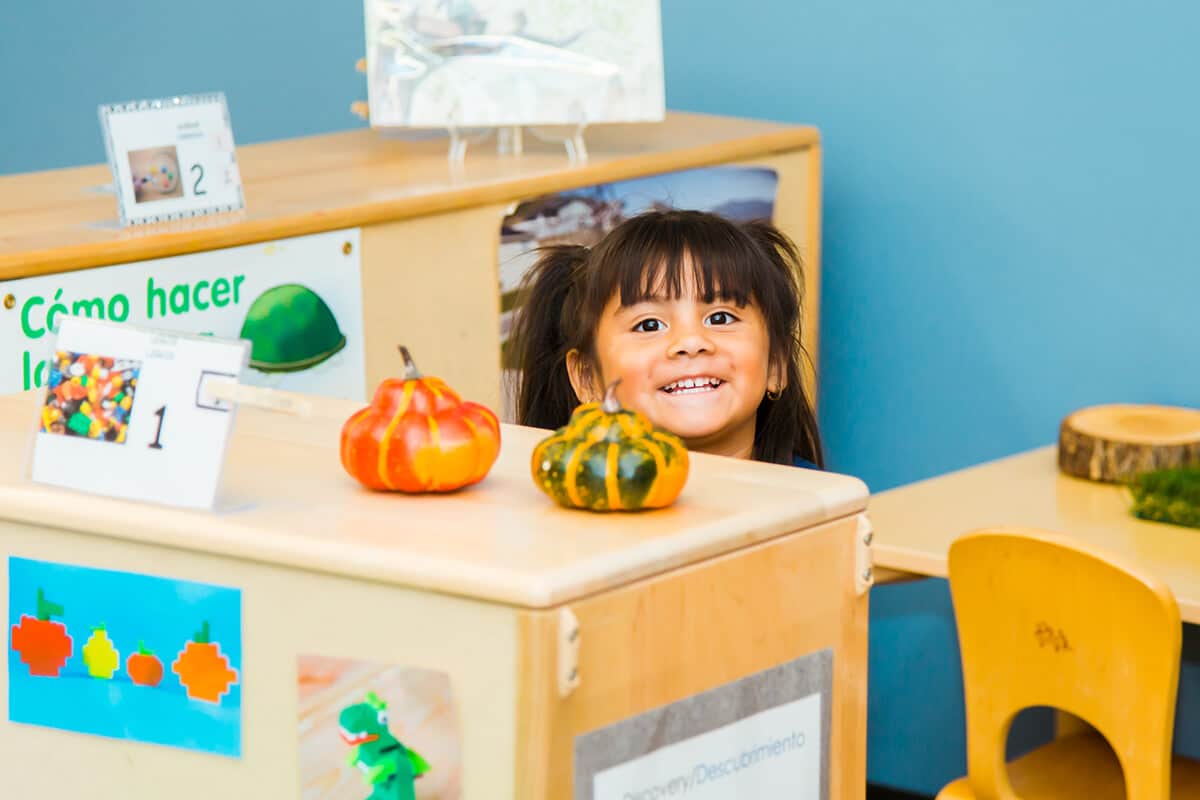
(1045, 621)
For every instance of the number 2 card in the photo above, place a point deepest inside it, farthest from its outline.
(126, 413)
(172, 158)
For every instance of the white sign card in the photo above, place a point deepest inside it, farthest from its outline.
(775, 753)
(172, 158)
(764, 735)
(298, 301)
(128, 412)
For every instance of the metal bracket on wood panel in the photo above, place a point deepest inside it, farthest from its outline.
(864, 571)
(568, 652)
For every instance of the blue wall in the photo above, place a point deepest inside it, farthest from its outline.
(1008, 235)
(287, 69)
(1010, 208)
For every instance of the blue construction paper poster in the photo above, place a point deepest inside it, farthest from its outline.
(125, 655)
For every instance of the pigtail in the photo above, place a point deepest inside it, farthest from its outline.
(539, 342)
(786, 426)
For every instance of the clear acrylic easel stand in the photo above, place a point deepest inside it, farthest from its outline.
(510, 141)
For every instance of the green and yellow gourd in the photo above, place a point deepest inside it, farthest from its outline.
(607, 458)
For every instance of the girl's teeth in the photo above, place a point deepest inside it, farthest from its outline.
(692, 385)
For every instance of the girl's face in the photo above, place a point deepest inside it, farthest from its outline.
(697, 369)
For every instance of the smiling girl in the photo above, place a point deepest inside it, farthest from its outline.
(698, 318)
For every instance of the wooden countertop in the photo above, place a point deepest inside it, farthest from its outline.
(914, 525)
(55, 221)
(503, 540)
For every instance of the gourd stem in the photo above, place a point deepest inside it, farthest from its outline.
(411, 372)
(611, 405)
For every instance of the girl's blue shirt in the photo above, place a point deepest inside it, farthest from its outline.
(797, 461)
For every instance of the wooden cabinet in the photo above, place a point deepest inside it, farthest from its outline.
(509, 596)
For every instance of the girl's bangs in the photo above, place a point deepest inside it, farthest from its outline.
(657, 261)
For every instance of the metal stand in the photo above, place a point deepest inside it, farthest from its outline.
(510, 141)
(573, 142)
(459, 140)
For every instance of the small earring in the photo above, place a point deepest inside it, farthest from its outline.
(773, 395)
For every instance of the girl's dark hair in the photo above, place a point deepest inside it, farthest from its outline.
(562, 297)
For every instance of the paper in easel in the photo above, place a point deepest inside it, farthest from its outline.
(126, 413)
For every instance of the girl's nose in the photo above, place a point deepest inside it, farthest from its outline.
(691, 343)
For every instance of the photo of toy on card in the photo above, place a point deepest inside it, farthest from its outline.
(171, 158)
(129, 412)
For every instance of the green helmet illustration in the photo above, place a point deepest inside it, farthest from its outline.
(290, 328)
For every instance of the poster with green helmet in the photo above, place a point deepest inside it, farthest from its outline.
(297, 300)
(290, 329)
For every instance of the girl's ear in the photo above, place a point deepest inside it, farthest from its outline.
(776, 379)
(581, 378)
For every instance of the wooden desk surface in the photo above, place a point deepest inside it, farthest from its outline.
(502, 540)
(914, 525)
(55, 221)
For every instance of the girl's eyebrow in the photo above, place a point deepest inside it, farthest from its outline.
(649, 300)
(663, 298)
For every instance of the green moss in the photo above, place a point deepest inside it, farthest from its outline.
(1168, 495)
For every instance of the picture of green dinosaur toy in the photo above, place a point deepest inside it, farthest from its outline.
(388, 767)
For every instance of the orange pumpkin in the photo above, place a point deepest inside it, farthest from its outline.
(419, 436)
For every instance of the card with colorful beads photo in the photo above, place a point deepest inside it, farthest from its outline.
(172, 157)
(90, 396)
(148, 391)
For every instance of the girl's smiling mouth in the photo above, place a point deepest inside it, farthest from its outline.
(693, 385)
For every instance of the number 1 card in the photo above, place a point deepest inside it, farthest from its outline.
(127, 413)
(172, 158)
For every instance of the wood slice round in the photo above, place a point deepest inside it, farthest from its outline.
(1115, 442)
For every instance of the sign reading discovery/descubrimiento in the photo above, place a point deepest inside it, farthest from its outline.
(764, 735)
(776, 753)
(298, 301)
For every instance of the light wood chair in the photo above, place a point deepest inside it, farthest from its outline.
(1044, 621)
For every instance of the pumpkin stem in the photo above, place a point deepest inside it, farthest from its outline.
(611, 405)
(201, 636)
(411, 373)
(142, 650)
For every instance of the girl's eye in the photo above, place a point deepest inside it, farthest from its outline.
(649, 326)
(721, 318)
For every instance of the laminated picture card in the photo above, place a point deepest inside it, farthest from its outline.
(482, 63)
